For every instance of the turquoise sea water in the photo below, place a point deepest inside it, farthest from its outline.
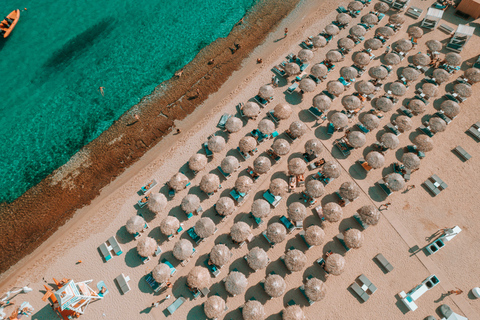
(62, 51)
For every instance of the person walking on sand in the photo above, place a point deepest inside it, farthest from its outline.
(410, 187)
(101, 91)
(286, 32)
(384, 206)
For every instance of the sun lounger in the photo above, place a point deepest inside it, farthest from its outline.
(362, 127)
(366, 282)
(174, 306)
(262, 102)
(122, 281)
(317, 114)
(279, 70)
(149, 186)
(359, 291)
(292, 182)
(384, 262)
(152, 283)
(100, 286)
(328, 94)
(193, 235)
(172, 268)
(462, 153)
(157, 251)
(112, 241)
(223, 120)
(105, 252)
(271, 115)
(292, 88)
(213, 268)
(287, 223)
(414, 12)
(364, 164)
(343, 147)
(330, 128)
(384, 187)
(273, 200)
(360, 222)
(446, 28)
(321, 177)
(342, 9)
(342, 240)
(208, 153)
(257, 220)
(426, 130)
(308, 200)
(237, 196)
(302, 290)
(143, 202)
(360, 70)
(406, 112)
(309, 157)
(264, 233)
(393, 129)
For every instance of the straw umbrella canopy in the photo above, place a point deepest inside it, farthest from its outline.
(281, 147)
(266, 91)
(225, 206)
(375, 159)
(362, 58)
(384, 104)
(345, 43)
(384, 31)
(209, 183)
(421, 59)
(257, 259)
(339, 120)
(278, 187)
(358, 31)
(373, 44)
(349, 190)
(253, 310)
(343, 18)
(356, 139)
(260, 208)
(205, 227)
(233, 124)
(295, 260)
(229, 164)
(410, 74)
(314, 235)
(198, 278)
(394, 181)
(157, 202)
(450, 108)
(276, 232)
(178, 182)
(423, 142)
(297, 129)
(331, 169)
(332, 29)
(282, 111)
(307, 85)
(441, 75)
(262, 165)
(275, 285)
(146, 247)
(389, 140)
(332, 212)
(305, 55)
(370, 18)
(240, 231)
(351, 102)
(473, 75)
(220, 255)
(214, 307)
(135, 224)
(190, 203)
(266, 126)
(437, 125)
(334, 56)
(348, 72)
(169, 225)
(236, 283)
(396, 19)
(398, 89)
(335, 264)
(391, 59)
(313, 147)
(297, 211)
(319, 41)
(197, 162)
(243, 184)
(335, 87)
(463, 90)
(453, 59)
(315, 289)
(355, 6)
(322, 102)
(319, 70)
(403, 123)
(216, 144)
(365, 87)
(411, 161)
(251, 109)
(353, 238)
(161, 273)
(297, 166)
(293, 312)
(292, 68)
(430, 89)
(381, 7)
(415, 32)
(417, 106)
(247, 144)
(370, 121)
(183, 249)
(378, 72)
(369, 215)
(434, 45)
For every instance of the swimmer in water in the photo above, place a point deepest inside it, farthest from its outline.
(101, 91)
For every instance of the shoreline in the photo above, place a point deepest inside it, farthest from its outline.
(32, 218)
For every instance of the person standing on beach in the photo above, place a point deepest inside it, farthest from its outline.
(286, 32)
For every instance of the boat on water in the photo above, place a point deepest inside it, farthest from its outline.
(10, 21)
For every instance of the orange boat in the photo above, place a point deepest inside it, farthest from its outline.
(7, 24)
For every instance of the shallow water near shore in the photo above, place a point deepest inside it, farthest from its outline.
(61, 52)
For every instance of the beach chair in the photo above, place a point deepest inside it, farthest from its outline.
(359, 291)
(223, 120)
(426, 130)
(213, 268)
(406, 112)
(262, 102)
(289, 135)
(273, 200)
(317, 114)
(143, 202)
(302, 290)
(344, 82)
(366, 282)
(307, 199)
(309, 157)
(328, 94)
(208, 153)
(414, 12)
(149, 186)
(393, 129)
(360, 221)
(362, 127)
(100, 286)
(224, 174)
(302, 235)
(105, 252)
(152, 283)
(462, 153)
(174, 306)
(330, 128)
(400, 5)
(157, 251)
(321, 177)
(292, 182)
(258, 135)
(364, 164)
(330, 67)
(384, 262)
(112, 241)
(279, 70)
(193, 235)
(258, 221)
(272, 116)
(288, 224)
(172, 268)
(360, 70)
(342, 9)
(343, 147)
(341, 239)
(292, 88)
(384, 187)
(122, 282)
(272, 244)
(237, 196)
(317, 80)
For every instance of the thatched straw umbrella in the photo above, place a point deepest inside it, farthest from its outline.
(214, 307)
(353, 238)
(257, 259)
(434, 45)
(332, 30)
(295, 260)
(415, 32)
(440, 75)
(253, 310)
(319, 70)
(365, 87)
(225, 206)
(260, 208)
(157, 202)
(417, 106)
(314, 235)
(243, 184)
(262, 165)
(378, 72)
(216, 144)
(146, 247)
(282, 111)
(276, 232)
(348, 72)
(358, 31)
(396, 19)
(369, 214)
(266, 91)
(429, 89)
(356, 139)
(403, 123)
(229, 164)
(198, 278)
(319, 41)
(297, 211)
(266, 126)
(135, 224)
(384, 32)
(236, 283)
(398, 89)
(335, 264)
(351, 102)
(450, 108)
(205, 227)
(453, 59)
(463, 90)
(391, 59)
(334, 56)
(411, 161)
(275, 285)
(292, 68)
(233, 124)
(307, 85)
(355, 6)
(421, 59)
(161, 273)
(394, 181)
(361, 58)
(370, 18)
(349, 190)
(473, 75)
(315, 289)
(178, 182)
(339, 120)
(209, 183)
(345, 43)
(423, 142)
(375, 159)
(437, 125)
(190, 203)
(183, 249)
(322, 102)
(389, 140)
(331, 169)
(247, 144)
(370, 121)
(297, 166)
(169, 225)
(313, 147)
(197, 162)
(294, 312)
(220, 255)
(240, 231)
(410, 74)
(332, 212)
(383, 104)
(278, 187)
(335, 87)
(373, 44)
(281, 147)
(343, 18)
(297, 129)
(305, 55)
(251, 109)
(381, 7)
